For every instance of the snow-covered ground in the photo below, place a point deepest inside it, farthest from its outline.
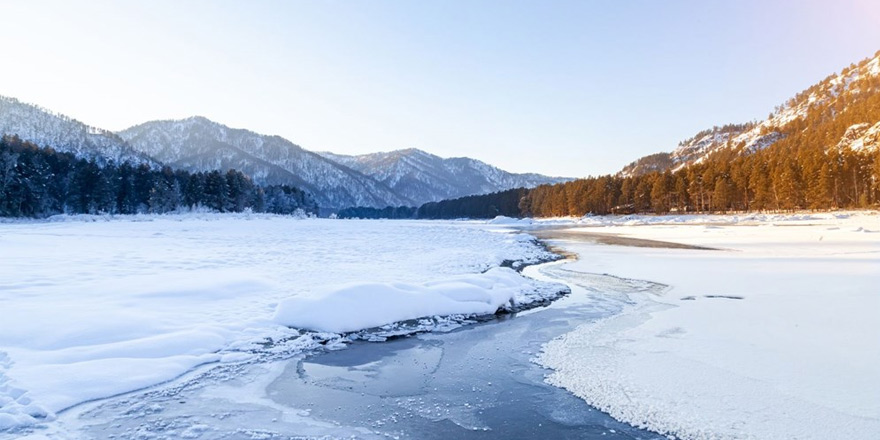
(774, 336)
(91, 307)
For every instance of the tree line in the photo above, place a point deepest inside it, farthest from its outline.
(506, 203)
(40, 181)
(775, 179)
(766, 180)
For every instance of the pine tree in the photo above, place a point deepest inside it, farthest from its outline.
(722, 195)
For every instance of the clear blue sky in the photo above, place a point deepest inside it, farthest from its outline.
(566, 88)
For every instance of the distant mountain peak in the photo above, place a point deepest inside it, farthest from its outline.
(412, 151)
(201, 119)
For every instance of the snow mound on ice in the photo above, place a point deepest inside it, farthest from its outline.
(503, 220)
(364, 305)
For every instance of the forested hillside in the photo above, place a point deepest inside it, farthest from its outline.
(39, 182)
(834, 93)
(827, 158)
(198, 144)
(44, 127)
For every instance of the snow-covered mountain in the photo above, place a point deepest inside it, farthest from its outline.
(828, 98)
(424, 177)
(198, 144)
(405, 177)
(48, 129)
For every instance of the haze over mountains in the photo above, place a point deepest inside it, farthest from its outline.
(404, 178)
(830, 95)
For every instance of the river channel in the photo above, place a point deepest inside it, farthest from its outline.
(477, 382)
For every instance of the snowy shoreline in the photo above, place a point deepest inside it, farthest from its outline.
(775, 340)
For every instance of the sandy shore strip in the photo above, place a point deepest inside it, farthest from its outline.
(573, 234)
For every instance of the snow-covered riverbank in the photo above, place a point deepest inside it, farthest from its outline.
(776, 335)
(772, 336)
(90, 308)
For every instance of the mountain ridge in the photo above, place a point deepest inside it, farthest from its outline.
(65, 134)
(197, 144)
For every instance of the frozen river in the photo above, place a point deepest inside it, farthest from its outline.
(474, 382)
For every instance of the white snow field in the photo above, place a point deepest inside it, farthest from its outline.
(775, 336)
(91, 307)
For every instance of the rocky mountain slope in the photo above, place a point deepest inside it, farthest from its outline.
(424, 177)
(828, 98)
(45, 128)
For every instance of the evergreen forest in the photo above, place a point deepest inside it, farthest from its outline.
(39, 182)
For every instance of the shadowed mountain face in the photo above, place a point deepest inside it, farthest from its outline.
(828, 99)
(424, 177)
(64, 134)
(198, 144)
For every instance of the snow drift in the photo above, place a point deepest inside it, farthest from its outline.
(365, 305)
